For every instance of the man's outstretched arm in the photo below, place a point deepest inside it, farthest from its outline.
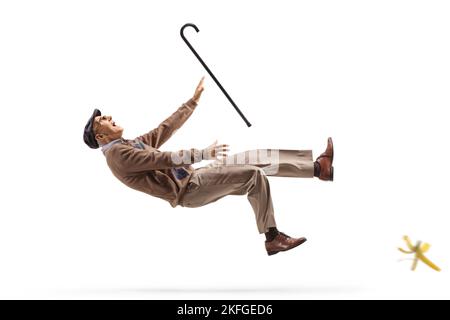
(130, 160)
(158, 136)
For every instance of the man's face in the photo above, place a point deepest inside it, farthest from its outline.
(106, 129)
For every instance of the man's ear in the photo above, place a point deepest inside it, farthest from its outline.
(99, 136)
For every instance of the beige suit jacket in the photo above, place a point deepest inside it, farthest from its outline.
(140, 165)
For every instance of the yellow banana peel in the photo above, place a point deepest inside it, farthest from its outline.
(419, 249)
(409, 243)
(428, 262)
(425, 247)
(414, 265)
(404, 251)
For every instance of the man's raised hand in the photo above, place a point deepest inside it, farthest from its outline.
(214, 151)
(199, 90)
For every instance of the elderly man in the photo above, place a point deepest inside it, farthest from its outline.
(140, 165)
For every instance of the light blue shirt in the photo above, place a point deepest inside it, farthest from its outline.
(107, 146)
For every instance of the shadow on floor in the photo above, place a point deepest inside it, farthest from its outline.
(344, 289)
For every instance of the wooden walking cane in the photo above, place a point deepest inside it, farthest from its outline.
(210, 72)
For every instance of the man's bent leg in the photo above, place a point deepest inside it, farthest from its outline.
(209, 184)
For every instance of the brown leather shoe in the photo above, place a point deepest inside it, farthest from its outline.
(282, 242)
(326, 162)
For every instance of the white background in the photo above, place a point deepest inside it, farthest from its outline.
(374, 75)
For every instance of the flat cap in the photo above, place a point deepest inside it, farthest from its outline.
(89, 136)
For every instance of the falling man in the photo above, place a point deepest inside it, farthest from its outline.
(140, 165)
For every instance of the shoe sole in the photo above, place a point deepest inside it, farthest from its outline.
(332, 158)
(271, 253)
(332, 150)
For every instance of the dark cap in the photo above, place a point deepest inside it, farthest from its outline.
(89, 135)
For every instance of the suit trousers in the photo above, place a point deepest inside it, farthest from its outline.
(246, 174)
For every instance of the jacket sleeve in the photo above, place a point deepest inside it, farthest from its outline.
(168, 127)
(131, 160)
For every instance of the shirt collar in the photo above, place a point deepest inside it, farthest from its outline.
(107, 146)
